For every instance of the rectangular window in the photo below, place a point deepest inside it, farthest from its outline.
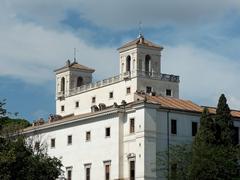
(194, 128)
(132, 170)
(88, 135)
(236, 135)
(108, 132)
(128, 90)
(132, 125)
(53, 143)
(69, 174)
(37, 146)
(148, 89)
(107, 172)
(77, 104)
(168, 92)
(88, 173)
(93, 99)
(110, 95)
(62, 108)
(69, 139)
(173, 126)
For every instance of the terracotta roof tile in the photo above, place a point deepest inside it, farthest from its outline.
(234, 113)
(174, 103)
(75, 65)
(142, 42)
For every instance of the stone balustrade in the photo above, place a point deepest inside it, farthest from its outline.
(118, 78)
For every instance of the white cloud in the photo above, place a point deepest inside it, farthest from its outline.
(122, 14)
(31, 52)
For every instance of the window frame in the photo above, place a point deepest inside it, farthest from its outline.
(194, 128)
(88, 136)
(76, 104)
(93, 99)
(37, 145)
(68, 142)
(132, 125)
(169, 90)
(148, 88)
(106, 135)
(107, 174)
(53, 143)
(62, 108)
(110, 95)
(69, 169)
(173, 127)
(128, 90)
(130, 169)
(87, 166)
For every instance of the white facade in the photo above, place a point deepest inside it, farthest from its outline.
(119, 134)
(140, 62)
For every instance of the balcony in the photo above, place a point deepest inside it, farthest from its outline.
(158, 76)
(125, 76)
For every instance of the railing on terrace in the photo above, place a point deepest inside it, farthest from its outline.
(124, 76)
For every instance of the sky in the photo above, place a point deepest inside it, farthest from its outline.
(201, 41)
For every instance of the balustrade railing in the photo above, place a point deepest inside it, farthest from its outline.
(124, 76)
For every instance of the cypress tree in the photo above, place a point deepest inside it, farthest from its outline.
(203, 166)
(214, 156)
(223, 123)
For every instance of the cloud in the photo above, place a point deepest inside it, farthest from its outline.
(34, 41)
(30, 52)
(204, 75)
(122, 14)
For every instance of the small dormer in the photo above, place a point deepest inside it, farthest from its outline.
(70, 77)
(140, 55)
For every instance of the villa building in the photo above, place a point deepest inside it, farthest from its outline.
(114, 128)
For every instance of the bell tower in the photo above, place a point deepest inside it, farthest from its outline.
(140, 62)
(71, 77)
(140, 56)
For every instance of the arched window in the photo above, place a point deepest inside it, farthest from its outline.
(79, 81)
(62, 84)
(128, 64)
(147, 63)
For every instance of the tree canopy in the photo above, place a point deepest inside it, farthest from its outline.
(213, 154)
(18, 159)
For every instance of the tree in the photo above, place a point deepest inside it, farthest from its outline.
(2, 109)
(18, 159)
(214, 154)
(10, 124)
(175, 163)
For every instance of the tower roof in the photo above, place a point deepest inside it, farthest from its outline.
(140, 41)
(72, 66)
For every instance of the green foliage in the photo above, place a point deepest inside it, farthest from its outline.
(18, 161)
(213, 154)
(223, 123)
(6, 121)
(176, 167)
(3, 111)
(10, 125)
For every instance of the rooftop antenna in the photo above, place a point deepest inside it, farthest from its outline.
(75, 52)
(140, 29)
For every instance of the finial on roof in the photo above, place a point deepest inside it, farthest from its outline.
(140, 30)
(75, 52)
(68, 63)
